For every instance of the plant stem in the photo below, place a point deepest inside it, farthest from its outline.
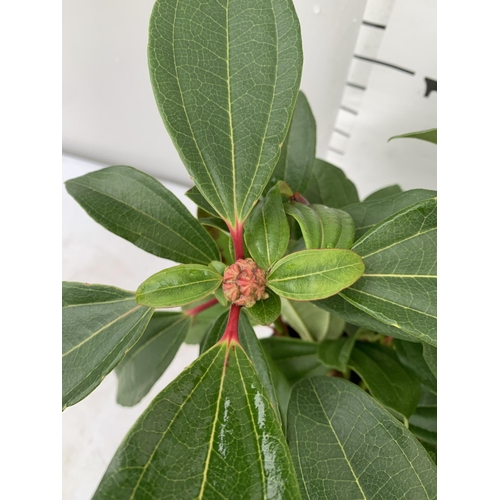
(231, 332)
(237, 236)
(198, 309)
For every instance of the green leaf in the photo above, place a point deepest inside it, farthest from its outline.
(412, 356)
(295, 358)
(345, 446)
(282, 387)
(430, 356)
(196, 197)
(296, 161)
(310, 322)
(337, 353)
(212, 433)
(215, 222)
(99, 326)
(178, 285)
(329, 186)
(145, 363)
(423, 423)
(369, 213)
(202, 321)
(398, 287)
(424, 135)
(265, 312)
(214, 332)
(386, 378)
(225, 77)
(138, 208)
(266, 230)
(315, 274)
(384, 192)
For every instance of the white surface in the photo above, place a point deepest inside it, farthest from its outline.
(109, 112)
(93, 428)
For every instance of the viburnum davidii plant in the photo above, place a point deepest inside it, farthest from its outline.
(340, 402)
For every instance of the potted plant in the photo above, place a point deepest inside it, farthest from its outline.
(340, 402)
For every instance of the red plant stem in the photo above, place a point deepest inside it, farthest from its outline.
(198, 309)
(237, 236)
(231, 332)
(298, 198)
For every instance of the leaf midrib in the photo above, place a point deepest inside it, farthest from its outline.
(313, 274)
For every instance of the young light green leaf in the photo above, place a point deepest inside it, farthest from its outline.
(99, 326)
(299, 150)
(424, 135)
(386, 378)
(369, 213)
(411, 356)
(329, 186)
(315, 274)
(384, 192)
(145, 363)
(310, 322)
(346, 446)
(196, 197)
(140, 209)
(398, 287)
(178, 285)
(212, 433)
(265, 312)
(266, 230)
(295, 358)
(225, 77)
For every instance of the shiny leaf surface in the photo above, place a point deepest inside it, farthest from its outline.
(140, 209)
(178, 285)
(329, 186)
(212, 433)
(146, 362)
(315, 274)
(266, 230)
(347, 447)
(225, 77)
(265, 312)
(99, 326)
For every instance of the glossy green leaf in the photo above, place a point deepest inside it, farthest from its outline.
(384, 192)
(310, 322)
(347, 447)
(265, 312)
(337, 353)
(430, 355)
(296, 161)
(398, 287)
(212, 433)
(315, 274)
(178, 285)
(146, 362)
(387, 379)
(294, 357)
(369, 213)
(412, 356)
(196, 197)
(423, 423)
(99, 326)
(266, 230)
(424, 135)
(140, 209)
(329, 186)
(226, 77)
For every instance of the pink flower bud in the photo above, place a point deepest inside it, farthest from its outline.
(244, 283)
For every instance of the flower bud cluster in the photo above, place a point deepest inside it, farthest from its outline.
(244, 283)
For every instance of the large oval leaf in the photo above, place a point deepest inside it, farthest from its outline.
(99, 325)
(178, 286)
(225, 76)
(212, 433)
(266, 230)
(138, 208)
(315, 274)
(345, 446)
(399, 286)
(150, 357)
(384, 192)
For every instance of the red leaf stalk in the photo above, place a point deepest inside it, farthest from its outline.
(237, 236)
(198, 309)
(231, 332)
